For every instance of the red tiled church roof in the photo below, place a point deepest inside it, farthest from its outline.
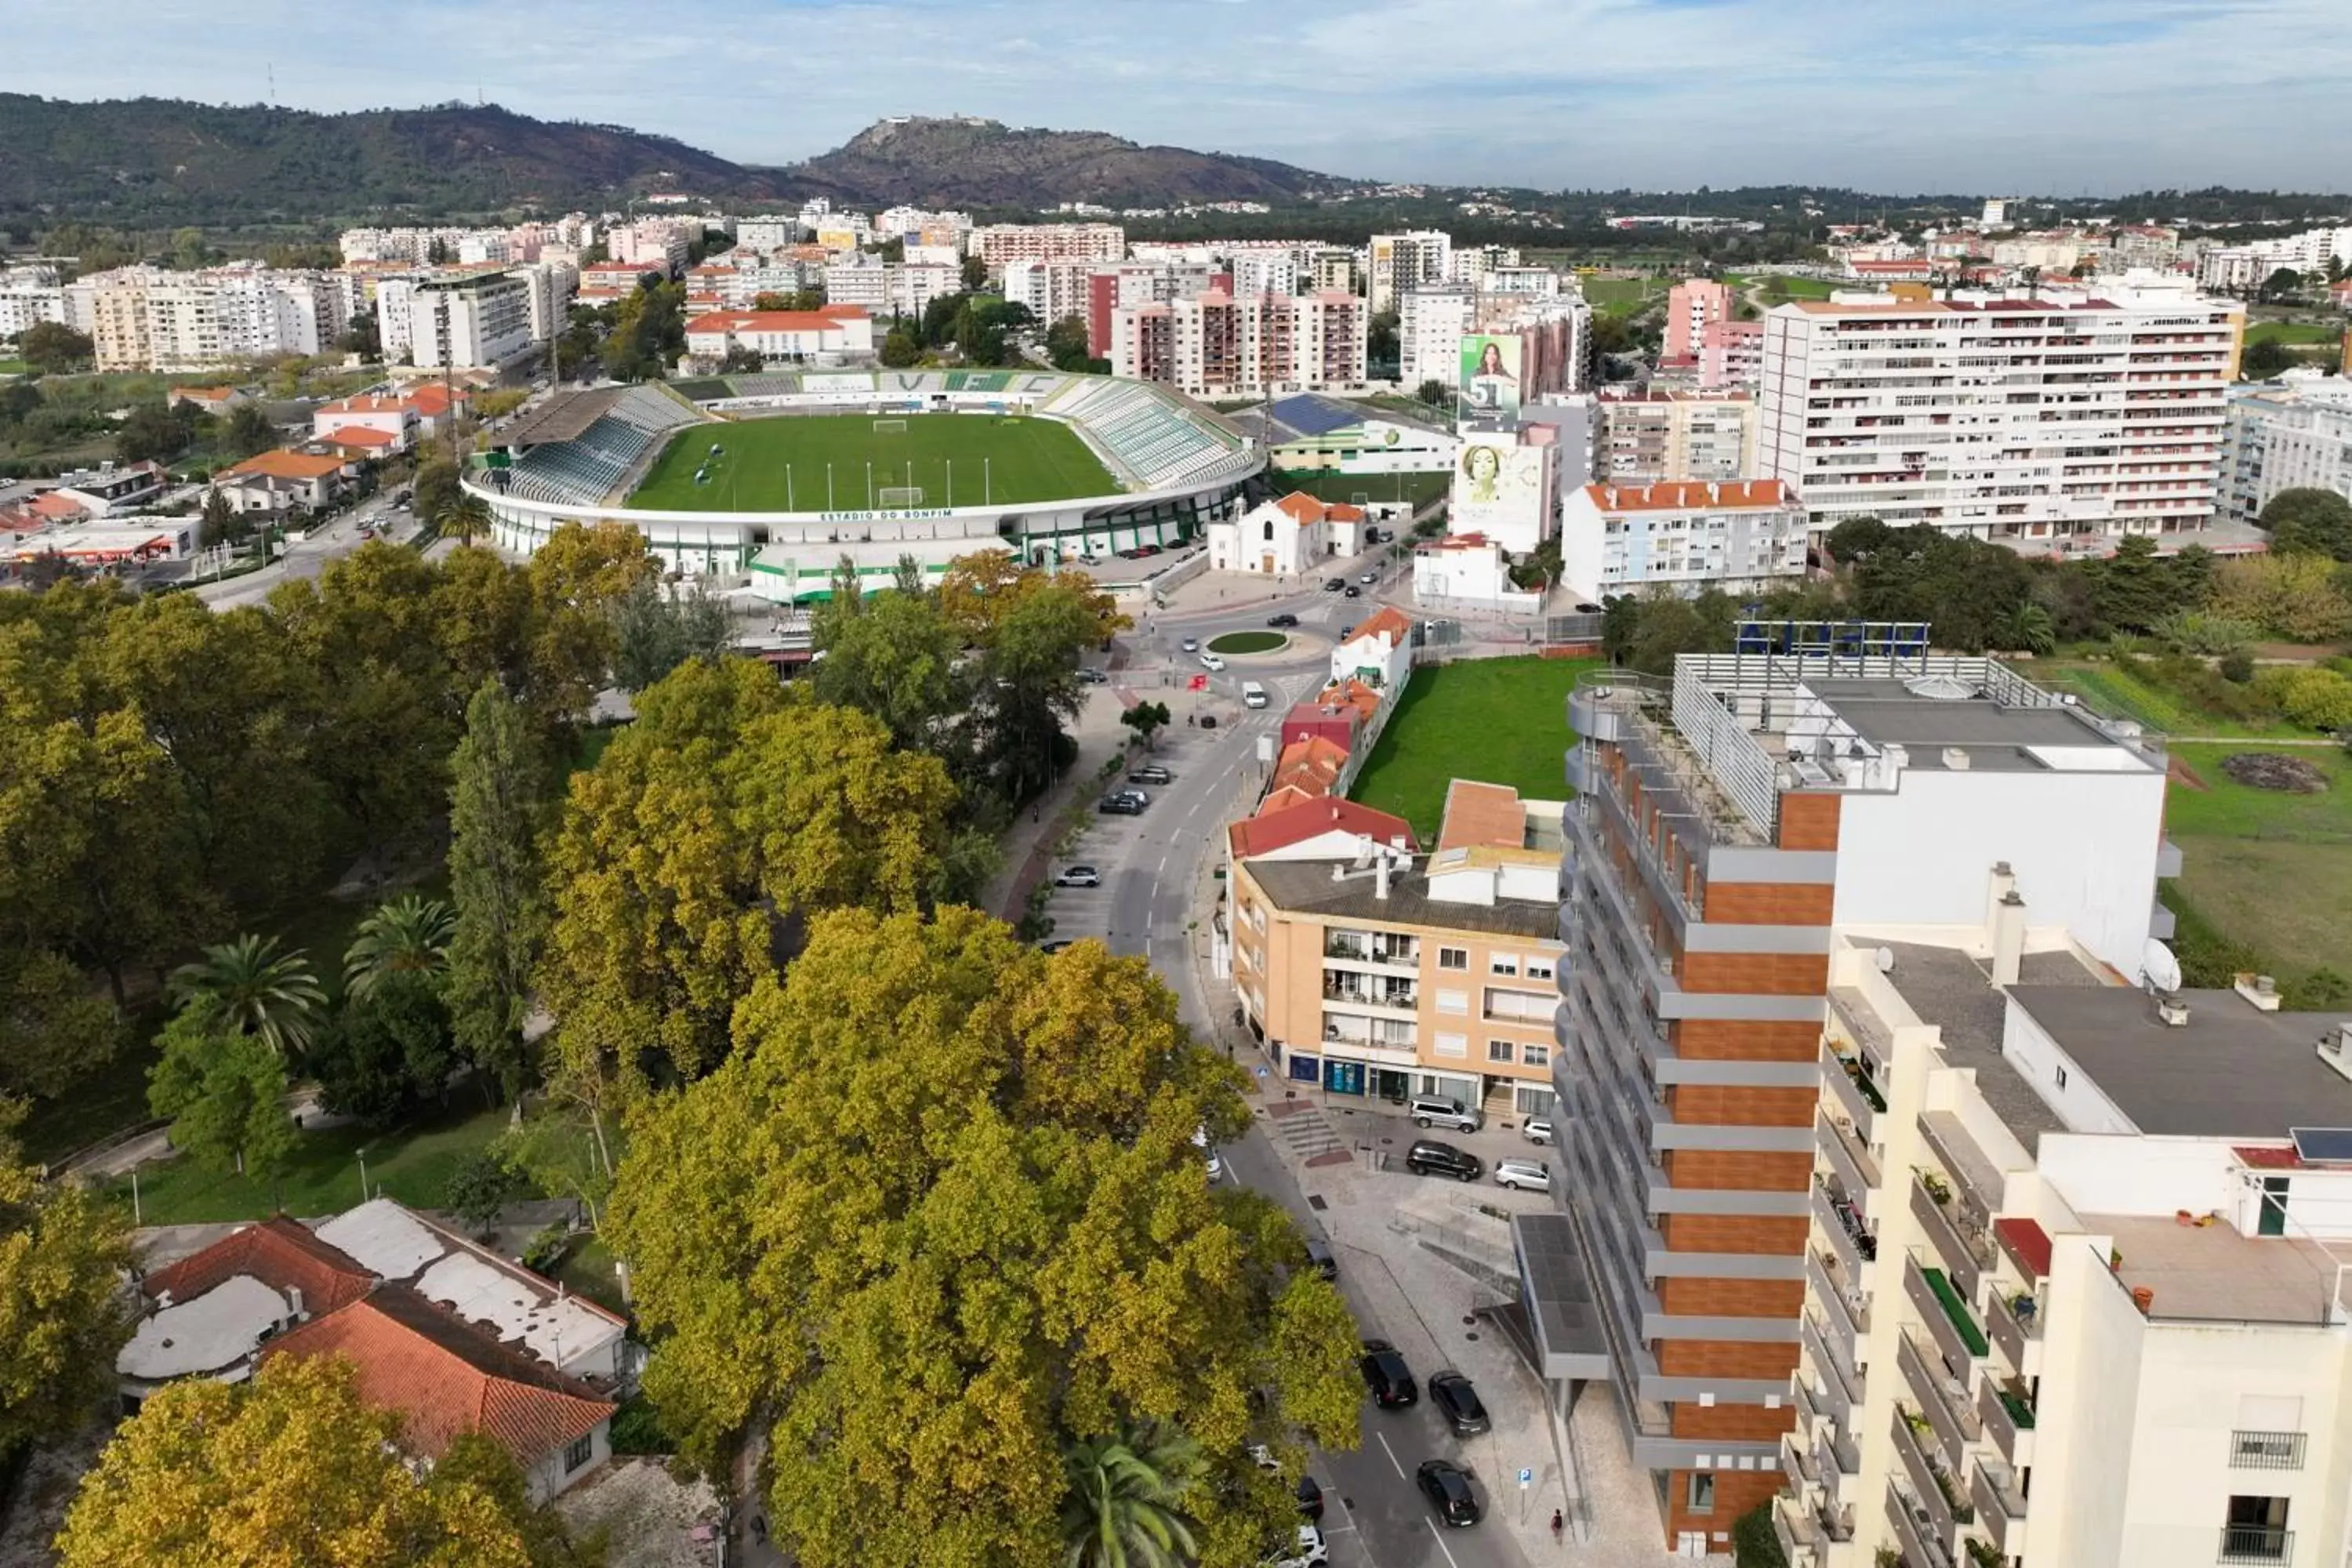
(279, 1252)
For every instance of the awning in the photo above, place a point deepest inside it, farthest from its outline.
(1559, 1298)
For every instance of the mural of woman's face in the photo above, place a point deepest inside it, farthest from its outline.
(1483, 464)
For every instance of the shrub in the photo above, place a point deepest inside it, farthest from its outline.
(2200, 631)
(544, 1252)
(2293, 597)
(1753, 1543)
(2315, 697)
(2237, 666)
(637, 1429)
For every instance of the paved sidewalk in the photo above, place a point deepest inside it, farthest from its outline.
(1028, 843)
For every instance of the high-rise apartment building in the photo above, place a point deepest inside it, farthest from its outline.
(1647, 436)
(145, 317)
(1692, 306)
(2002, 418)
(2290, 436)
(480, 320)
(1218, 345)
(1409, 260)
(1730, 827)
(1431, 323)
(998, 244)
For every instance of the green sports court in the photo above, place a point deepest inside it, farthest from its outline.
(781, 463)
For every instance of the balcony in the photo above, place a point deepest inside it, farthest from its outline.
(1382, 951)
(2256, 1543)
(1942, 1398)
(2015, 1319)
(1965, 1259)
(2008, 1420)
(1840, 1223)
(1848, 1319)
(1839, 1384)
(1854, 1092)
(1947, 1317)
(2000, 1505)
(1913, 1541)
(1798, 1533)
(2266, 1450)
(1797, 1458)
(1937, 1494)
(1978, 1182)
(1847, 1157)
(1404, 1000)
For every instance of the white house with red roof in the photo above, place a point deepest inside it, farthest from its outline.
(1467, 571)
(1378, 652)
(1683, 535)
(1286, 537)
(389, 417)
(830, 333)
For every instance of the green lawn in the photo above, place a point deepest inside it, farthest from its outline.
(2292, 333)
(412, 1164)
(2268, 870)
(1247, 642)
(1498, 721)
(781, 463)
(1417, 489)
(1623, 296)
(2112, 690)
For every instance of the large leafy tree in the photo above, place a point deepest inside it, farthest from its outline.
(255, 989)
(291, 1467)
(2310, 522)
(224, 1092)
(939, 1219)
(53, 1029)
(1124, 1507)
(654, 632)
(62, 1253)
(388, 1051)
(496, 809)
(407, 935)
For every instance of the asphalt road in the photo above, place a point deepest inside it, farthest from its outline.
(1374, 1515)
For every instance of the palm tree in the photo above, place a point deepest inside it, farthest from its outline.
(1120, 1511)
(408, 936)
(466, 516)
(259, 989)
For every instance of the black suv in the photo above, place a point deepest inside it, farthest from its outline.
(1458, 1403)
(1427, 1157)
(1447, 1485)
(1119, 805)
(1387, 1376)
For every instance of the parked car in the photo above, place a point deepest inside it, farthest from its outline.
(1537, 1130)
(1214, 1161)
(1118, 805)
(1354, 591)
(1283, 619)
(1387, 1376)
(1459, 1402)
(1078, 876)
(1208, 720)
(1311, 1553)
(1058, 944)
(1368, 578)
(1128, 792)
(1211, 661)
(1443, 1111)
(1089, 676)
(1523, 1175)
(1152, 773)
(1447, 1486)
(1333, 585)
(1430, 1158)
(1262, 1457)
(1190, 645)
(1311, 1496)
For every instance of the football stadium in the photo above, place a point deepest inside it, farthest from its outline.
(774, 478)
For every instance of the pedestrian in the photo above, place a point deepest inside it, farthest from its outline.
(1556, 1522)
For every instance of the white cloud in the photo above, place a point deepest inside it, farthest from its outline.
(1889, 95)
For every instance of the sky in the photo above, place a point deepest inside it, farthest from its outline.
(2018, 97)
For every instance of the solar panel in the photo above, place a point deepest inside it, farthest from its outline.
(1311, 415)
(2323, 1145)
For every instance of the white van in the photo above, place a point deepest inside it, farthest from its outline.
(1254, 695)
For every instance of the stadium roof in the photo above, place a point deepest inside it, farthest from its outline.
(563, 418)
(1309, 413)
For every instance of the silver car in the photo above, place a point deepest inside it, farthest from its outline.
(1523, 1175)
(1537, 1130)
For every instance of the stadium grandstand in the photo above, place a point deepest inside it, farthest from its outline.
(1176, 466)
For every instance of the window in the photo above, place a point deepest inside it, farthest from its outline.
(1536, 1055)
(1456, 1002)
(1539, 969)
(2062, 1078)
(582, 1450)
(1500, 1050)
(1269, 532)
(2256, 1530)
(1450, 1045)
(1700, 1498)
(1452, 958)
(1530, 1100)
(1504, 963)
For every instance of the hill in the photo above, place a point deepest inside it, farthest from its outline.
(983, 163)
(153, 162)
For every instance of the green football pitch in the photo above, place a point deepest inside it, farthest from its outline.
(855, 462)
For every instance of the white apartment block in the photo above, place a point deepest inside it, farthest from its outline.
(1267, 270)
(1409, 260)
(827, 335)
(2241, 268)
(145, 318)
(2024, 419)
(887, 288)
(764, 234)
(2075, 1286)
(479, 321)
(662, 243)
(1053, 290)
(1647, 436)
(1629, 539)
(1430, 323)
(1218, 345)
(1000, 244)
(2296, 435)
(1556, 333)
(23, 305)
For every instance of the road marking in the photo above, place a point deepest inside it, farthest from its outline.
(1390, 1453)
(1440, 1542)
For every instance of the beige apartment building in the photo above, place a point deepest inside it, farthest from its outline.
(1372, 971)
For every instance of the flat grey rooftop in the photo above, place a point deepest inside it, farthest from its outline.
(1996, 736)
(1305, 887)
(2232, 1071)
(1955, 992)
(1559, 1298)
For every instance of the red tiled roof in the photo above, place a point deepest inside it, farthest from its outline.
(1388, 619)
(1689, 495)
(1481, 813)
(362, 405)
(279, 1252)
(1311, 764)
(825, 320)
(445, 1377)
(1351, 693)
(288, 465)
(1306, 510)
(1301, 817)
(359, 435)
(431, 400)
(2264, 1158)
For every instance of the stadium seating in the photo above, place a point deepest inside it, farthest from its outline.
(585, 469)
(1156, 441)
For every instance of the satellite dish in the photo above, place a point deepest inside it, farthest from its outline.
(2163, 970)
(1884, 959)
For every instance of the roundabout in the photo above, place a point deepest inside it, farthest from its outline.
(1248, 643)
